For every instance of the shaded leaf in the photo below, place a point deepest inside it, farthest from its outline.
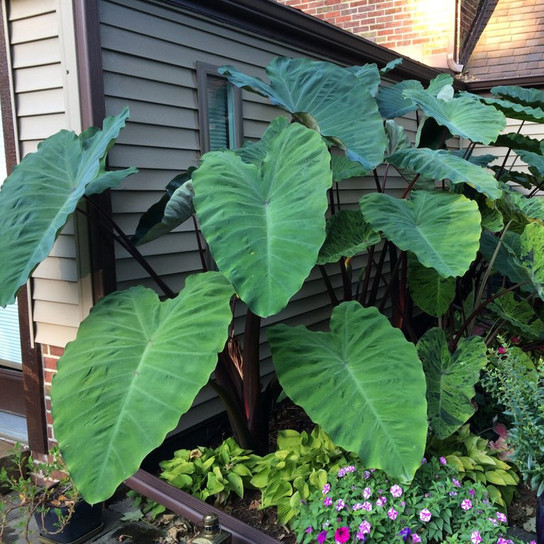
(450, 379)
(392, 102)
(430, 291)
(347, 235)
(368, 75)
(521, 95)
(343, 168)
(516, 141)
(397, 138)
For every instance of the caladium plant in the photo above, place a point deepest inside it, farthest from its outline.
(270, 212)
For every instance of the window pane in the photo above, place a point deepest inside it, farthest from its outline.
(10, 343)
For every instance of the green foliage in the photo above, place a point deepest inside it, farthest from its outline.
(209, 473)
(476, 461)
(450, 379)
(365, 505)
(351, 362)
(299, 466)
(518, 388)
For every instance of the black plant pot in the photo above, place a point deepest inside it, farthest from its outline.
(540, 519)
(85, 522)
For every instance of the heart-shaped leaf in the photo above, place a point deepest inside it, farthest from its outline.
(439, 164)
(520, 95)
(450, 379)
(520, 315)
(42, 192)
(326, 98)
(265, 223)
(393, 103)
(347, 235)
(463, 115)
(135, 367)
(369, 374)
(430, 291)
(441, 229)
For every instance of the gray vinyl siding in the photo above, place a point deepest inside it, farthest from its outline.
(149, 56)
(41, 87)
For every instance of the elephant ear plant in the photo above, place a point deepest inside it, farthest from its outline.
(270, 212)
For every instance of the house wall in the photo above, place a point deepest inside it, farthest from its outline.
(149, 56)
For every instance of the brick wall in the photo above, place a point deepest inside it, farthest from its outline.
(51, 355)
(416, 28)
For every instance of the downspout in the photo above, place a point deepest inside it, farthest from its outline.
(453, 58)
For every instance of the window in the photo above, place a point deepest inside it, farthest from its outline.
(220, 108)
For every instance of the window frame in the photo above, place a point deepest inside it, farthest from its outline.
(203, 72)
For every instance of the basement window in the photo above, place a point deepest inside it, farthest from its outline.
(220, 110)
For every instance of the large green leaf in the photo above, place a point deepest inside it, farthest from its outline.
(37, 199)
(534, 160)
(265, 223)
(516, 141)
(174, 208)
(439, 164)
(368, 75)
(430, 291)
(441, 229)
(397, 138)
(521, 95)
(514, 110)
(532, 255)
(371, 379)
(347, 235)
(450, 379)
(343, 168)
(326, 98)
(463, 115)
(136, 365)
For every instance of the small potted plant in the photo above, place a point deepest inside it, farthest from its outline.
(517, 384)
(61, 515)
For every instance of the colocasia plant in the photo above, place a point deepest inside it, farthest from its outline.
(406, 265)
(359, 505)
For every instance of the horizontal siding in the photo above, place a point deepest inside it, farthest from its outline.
(39, 79)
(149, 56)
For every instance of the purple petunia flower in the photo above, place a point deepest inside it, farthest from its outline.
(452, 493)
(351, 468)
(326, 489)
(501, 350)
(392, 514)
(493, 521)
(423, 461)
(357, 506)
(366, 474)
(396, 490)
(381, 501)
(321, 537)
(364, 527)
(443, 461)
(475, 537)
(309, 529)
(367, 492)
(342, 472)
(501, 517)
(425, 515)
(472, 492)
(367, 506)
(405, 533)
(327, 501)
(416, 538)
(466, 504)
(456, 482)
(339, 505)
(361, 536)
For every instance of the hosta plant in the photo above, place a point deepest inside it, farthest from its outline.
(267, 214)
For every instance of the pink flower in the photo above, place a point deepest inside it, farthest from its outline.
(381, 501)
(309, 529)
(364, 527)
(416, 538)
(514, 340)
(367, 492)
(341, 535)
(455, 482)
(501, 350)
(502, 540)
(392, 514)
(327, 501)
(466, 504)
(501, 517)
(443, 461)
(396, 490)
(366, 474)
(339, 505)
(475, 538)
(367, 506)
(326, 489)
(357, 506)
(321, 537)
(425, 515)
